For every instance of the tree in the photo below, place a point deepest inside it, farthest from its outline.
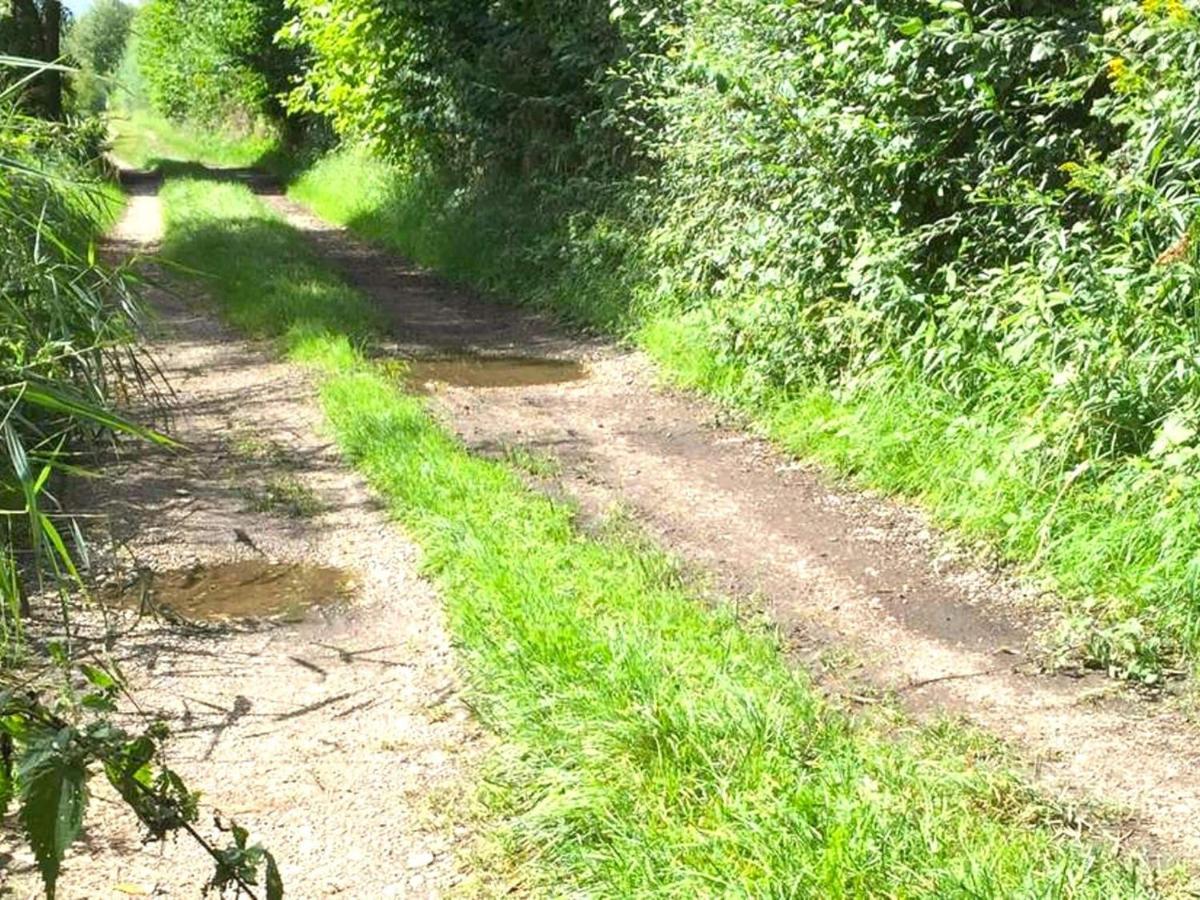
(96, 44)
(33, 29)
(215, 62)
(97, 40)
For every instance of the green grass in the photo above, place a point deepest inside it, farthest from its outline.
(652, 744)
(141, 138)
(1130, 588)
(100, 205)
(1120, 544)
(284, 495)
(300, 293)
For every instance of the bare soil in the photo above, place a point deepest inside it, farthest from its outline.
(850, 577)
(334, 733)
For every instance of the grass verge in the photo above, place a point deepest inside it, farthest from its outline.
(653, 745)
(1120, 544)
(141, 138)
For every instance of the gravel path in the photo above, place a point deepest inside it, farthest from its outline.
(339, 741)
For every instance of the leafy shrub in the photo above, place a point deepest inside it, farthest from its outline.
(515, 86)
(924, 190)
(213, 62)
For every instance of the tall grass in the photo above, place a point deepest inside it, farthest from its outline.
(70, 359)
(69, 350)
(653, 746)
(141, 137)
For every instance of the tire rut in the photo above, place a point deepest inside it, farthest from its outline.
(841, 572)
(340, 741)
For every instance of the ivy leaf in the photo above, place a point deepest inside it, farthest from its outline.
(52, 776)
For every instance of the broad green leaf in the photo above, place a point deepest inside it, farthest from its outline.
(97, 676)
(52, 778)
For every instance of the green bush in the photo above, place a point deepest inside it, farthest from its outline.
(214, 63)
(511, 86)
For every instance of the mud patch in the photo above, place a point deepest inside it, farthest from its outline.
(426, 375)
(253, 589)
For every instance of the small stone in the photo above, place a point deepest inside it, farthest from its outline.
(418, 859)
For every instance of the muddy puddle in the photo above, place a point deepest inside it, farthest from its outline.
(425, 375)
(284, 592)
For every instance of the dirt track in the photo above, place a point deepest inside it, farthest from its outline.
(324, 724)
(846, 575)
(338, 741)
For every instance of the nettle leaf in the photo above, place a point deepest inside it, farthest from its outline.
(274, 881)
(52, 774)
(97, 677)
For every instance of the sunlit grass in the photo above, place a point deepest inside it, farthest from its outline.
(1121, 550)
(653, 744)
(140, 137)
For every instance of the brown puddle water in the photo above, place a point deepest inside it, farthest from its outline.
(240, 590)
(423, 375)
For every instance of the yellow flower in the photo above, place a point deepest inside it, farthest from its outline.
(1175, 10)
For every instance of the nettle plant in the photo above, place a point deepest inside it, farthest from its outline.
(976, 192)
(54, 741)
(992, 199)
